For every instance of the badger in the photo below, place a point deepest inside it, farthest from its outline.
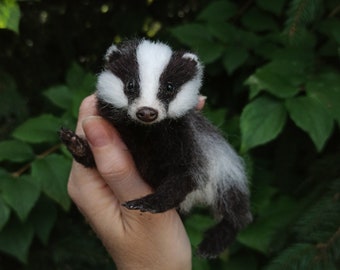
(149, 92)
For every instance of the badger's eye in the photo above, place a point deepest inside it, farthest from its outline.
(169, 86)
(131, 85)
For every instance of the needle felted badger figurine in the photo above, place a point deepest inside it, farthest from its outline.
(149, 93)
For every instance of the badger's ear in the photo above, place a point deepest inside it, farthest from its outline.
(194, 57)
(191, 56)
(111, 53)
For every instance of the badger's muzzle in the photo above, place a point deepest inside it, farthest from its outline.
(146, 114)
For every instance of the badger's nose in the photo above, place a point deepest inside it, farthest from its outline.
(147, 114)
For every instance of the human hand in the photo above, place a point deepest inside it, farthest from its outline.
(135, 240)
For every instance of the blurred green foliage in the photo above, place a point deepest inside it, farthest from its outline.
(273, 85)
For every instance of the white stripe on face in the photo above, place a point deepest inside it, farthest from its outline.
(152, 59)
(111, 90)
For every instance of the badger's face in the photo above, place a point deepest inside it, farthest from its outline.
(149, 81)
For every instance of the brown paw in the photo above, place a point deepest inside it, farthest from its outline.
(78, 147)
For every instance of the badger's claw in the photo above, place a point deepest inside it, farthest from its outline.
(147, 204)
(78, 147)
(139, 205)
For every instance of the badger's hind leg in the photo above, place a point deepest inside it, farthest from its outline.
(233, 205)
(217, 239)
(78, 147)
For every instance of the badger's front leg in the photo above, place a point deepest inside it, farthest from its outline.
(167, 196)
(78, 147)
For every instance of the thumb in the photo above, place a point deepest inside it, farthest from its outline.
(113, 160)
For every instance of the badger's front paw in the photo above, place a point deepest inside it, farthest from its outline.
(148, 203)
(78, 147)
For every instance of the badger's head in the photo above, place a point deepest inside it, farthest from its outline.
(149, 81)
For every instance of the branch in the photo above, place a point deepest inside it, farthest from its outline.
(334, 12)
(242, 10)
(294, 25)
(40, 156)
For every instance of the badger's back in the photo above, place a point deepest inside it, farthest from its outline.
(223, 168)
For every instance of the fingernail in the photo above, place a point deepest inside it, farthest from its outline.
(97, 131)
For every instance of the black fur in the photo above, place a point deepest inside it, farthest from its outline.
(172, 159)
(123, 64)
(179, 71)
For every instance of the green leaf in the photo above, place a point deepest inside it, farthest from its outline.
(262, 197)
(216, 116)
(9, 15)
(191, 33)
(218, 11)
(60, 95)
(21, 194)
(261, 121)
(52, 175)
(43, 217)
(299, 15)
(74, 76)
(200, 264)
(297, 256)
(325, 89)
(234, 57)
(16, 238)
(280, 78)
(198, 38)
(258, 20)
(80, 84)
(311, 117)
(39, 129)
(209, 51)
(244, 261)
(195, 225)
(4, 213)
(16, 151)
(260, 234)
(271, 6)
(223, 31)
(12, 104)
(78, 80)
(331, 27)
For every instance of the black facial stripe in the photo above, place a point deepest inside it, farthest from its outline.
(123, 64)
(178, 71)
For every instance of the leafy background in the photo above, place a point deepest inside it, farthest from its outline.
(273, 86)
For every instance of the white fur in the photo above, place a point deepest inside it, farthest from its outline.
(111, 89)
(191, 56)
(186, 99)
(224, 167)
(204, 197)
(152, 58)
(109, 51)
